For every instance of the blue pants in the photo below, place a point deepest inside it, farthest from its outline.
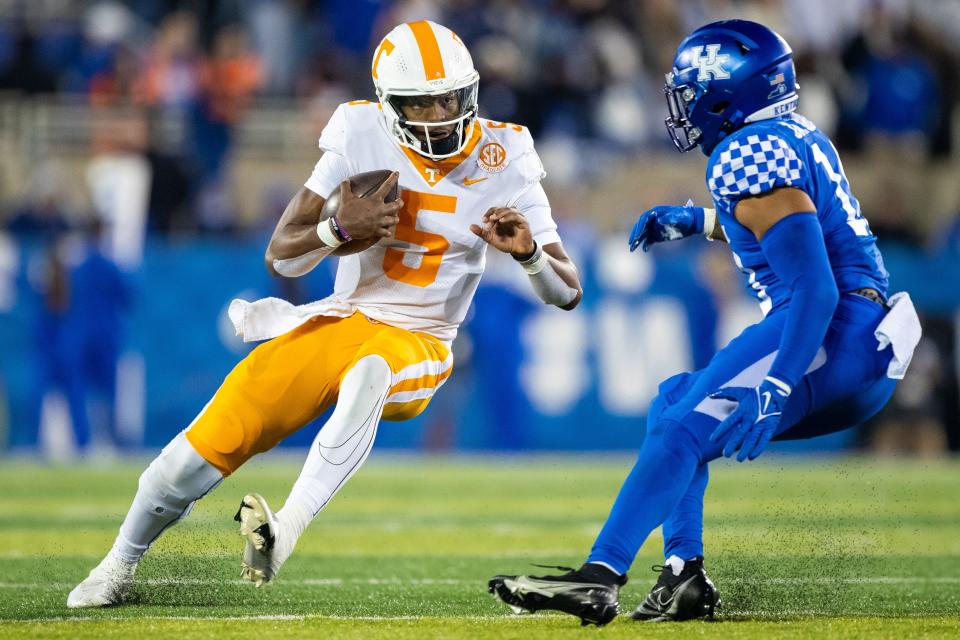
(845, 385)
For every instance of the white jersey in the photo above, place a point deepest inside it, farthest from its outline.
(424, 277)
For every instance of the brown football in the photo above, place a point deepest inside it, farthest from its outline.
(362, 184)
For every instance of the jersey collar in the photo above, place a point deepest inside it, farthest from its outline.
(434, 171)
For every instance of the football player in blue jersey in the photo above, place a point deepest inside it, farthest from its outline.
(825, 357)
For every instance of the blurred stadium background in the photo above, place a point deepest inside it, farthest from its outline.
(147, 148)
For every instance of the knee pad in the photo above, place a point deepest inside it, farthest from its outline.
(354, 421)
(177, 477)
(675, 387)
(680, 436)
(370, 373)
(662, 413)
(656, 409)
(670, 393)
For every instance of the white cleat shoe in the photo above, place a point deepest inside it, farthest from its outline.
(267, 548)
(109, 583)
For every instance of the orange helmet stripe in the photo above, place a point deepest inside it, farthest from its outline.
(429, 49)
(386, 48)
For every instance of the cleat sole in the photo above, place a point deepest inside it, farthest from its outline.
(254, 517)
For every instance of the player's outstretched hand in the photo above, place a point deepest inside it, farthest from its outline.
(370, 216)
(666, 222)
(506, 229)
(754, 421)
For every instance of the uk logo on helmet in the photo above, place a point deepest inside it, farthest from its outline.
(710, 65)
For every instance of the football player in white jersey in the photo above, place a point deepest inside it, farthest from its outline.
(380, 345)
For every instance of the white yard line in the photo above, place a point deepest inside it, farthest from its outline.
(864, 580)
(277, 617)
(308, 582)
(102, 619)
(814, 613)
(761, 614)
(335, 582)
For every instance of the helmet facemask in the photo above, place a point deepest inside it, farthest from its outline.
(685, 134)
(404, 129)
(698, 116)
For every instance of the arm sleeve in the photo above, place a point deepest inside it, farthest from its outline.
(535, 207)
(751, 165)
(329, 172)
(795, 250)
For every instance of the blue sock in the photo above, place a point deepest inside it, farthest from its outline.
(683, 530)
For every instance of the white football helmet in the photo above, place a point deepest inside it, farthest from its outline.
(425, 59)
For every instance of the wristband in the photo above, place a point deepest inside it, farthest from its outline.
(339, 230)
(709, 222)
(779, 384)
(529, 257)
(328, 236)
(536, 262)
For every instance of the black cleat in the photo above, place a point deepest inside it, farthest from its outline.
(686, 596)
(591, 593)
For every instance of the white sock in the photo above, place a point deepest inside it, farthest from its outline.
(342, 445)
(676, 564)
(176, 479)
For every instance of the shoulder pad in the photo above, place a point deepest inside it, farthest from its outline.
(350, 118)
(752, 161)
(517, 145)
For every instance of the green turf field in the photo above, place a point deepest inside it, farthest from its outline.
(853, 548)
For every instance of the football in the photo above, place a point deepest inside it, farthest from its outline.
(362, 185)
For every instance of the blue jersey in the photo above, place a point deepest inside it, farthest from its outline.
(791, 152)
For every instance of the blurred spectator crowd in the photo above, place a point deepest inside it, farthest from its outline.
(584, 75)
(170, 86)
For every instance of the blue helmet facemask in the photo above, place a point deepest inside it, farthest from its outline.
(684, 134)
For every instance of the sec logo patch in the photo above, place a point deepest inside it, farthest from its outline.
(492, 157)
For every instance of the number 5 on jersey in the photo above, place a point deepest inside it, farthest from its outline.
(434, 244)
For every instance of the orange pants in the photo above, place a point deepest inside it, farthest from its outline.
(286, 382)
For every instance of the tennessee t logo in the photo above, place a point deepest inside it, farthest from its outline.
(711, 65)
(431, 174)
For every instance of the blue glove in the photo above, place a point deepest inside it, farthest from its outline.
(666, 222)
(754, 421)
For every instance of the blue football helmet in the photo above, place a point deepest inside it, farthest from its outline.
(727, 74)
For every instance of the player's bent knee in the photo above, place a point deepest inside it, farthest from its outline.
(228, 432)
(362, 393)
(183, 462)
(669, 394)
(674, 387)
(656, 408)
(372, 370)
(177, 477)
(679, 437)
(231, 434)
